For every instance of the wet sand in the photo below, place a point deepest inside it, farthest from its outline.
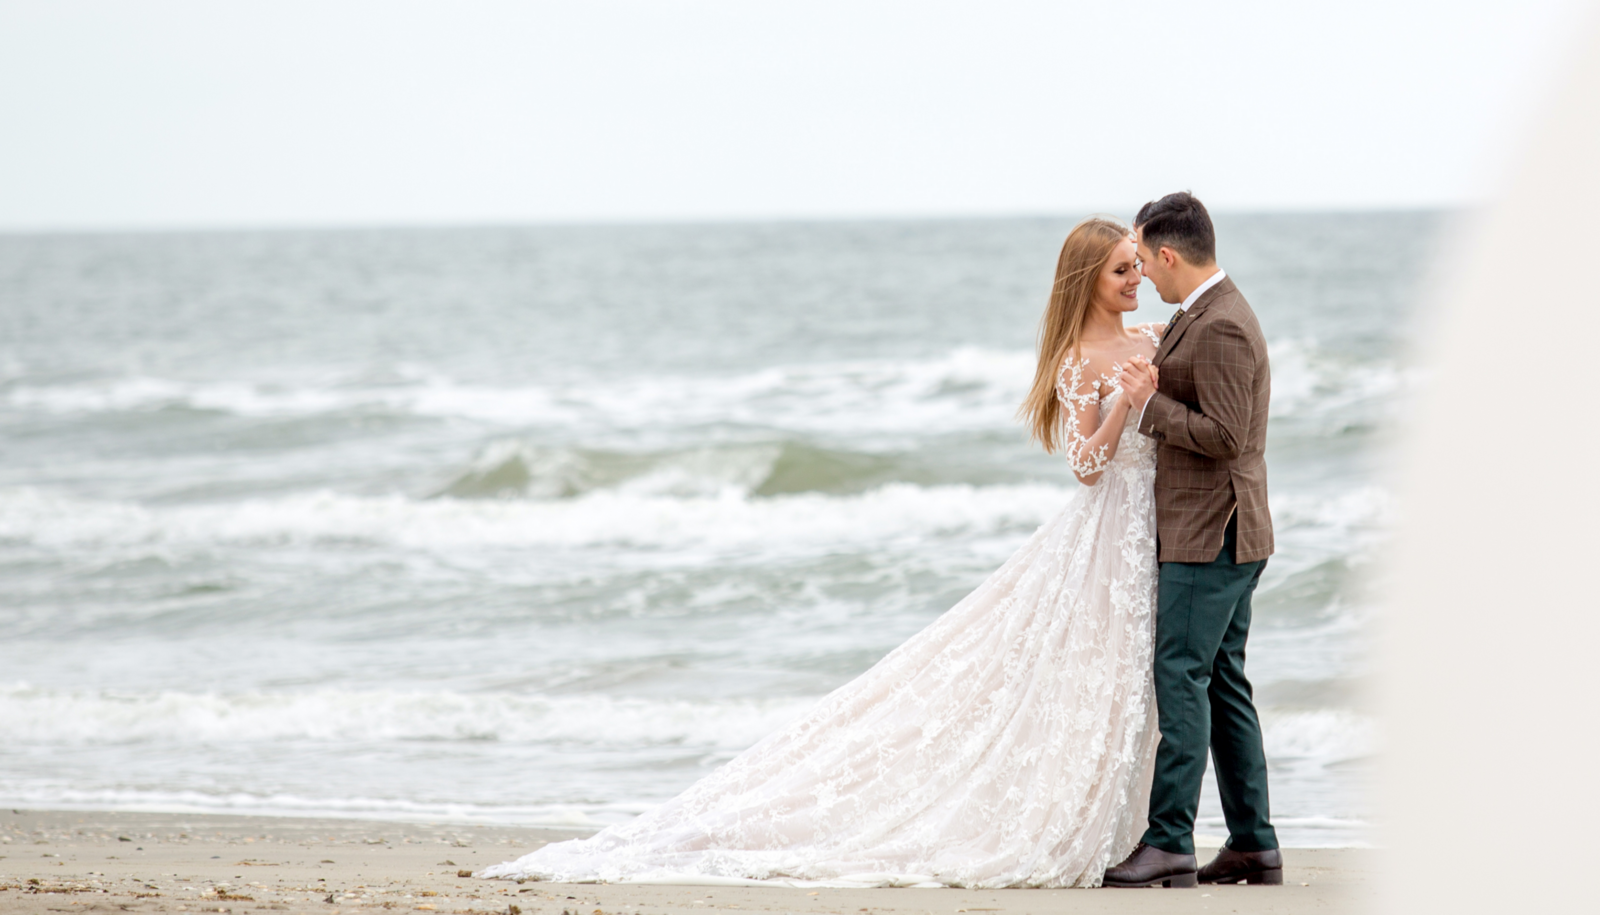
(78, 861)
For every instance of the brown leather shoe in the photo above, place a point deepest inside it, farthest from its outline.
(1229, 866)
(1150, 866)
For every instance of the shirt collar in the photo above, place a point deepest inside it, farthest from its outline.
(1199, 290)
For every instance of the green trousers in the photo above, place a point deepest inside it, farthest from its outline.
(1203, 698)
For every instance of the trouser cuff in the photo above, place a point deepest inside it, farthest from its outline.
(1173, 845)
(1250, 843)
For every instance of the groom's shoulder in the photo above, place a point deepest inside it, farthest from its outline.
(1233, 308)
(1229, 295)
(1230, 323)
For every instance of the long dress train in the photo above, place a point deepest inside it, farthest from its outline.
(1010, 743)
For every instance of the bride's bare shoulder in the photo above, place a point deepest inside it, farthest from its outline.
(1146, 333)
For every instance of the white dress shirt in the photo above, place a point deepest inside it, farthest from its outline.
(1193, 297)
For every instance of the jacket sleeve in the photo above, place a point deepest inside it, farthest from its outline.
(1224, 372)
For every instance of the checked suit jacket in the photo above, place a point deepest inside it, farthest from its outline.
(1209, 420)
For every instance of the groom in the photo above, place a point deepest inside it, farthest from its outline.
(1213, 535)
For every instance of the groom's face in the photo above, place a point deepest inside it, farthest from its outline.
(1156, 268)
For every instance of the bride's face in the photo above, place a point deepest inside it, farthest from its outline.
(1118, 286)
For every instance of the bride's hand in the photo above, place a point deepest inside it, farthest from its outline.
(1138, 381)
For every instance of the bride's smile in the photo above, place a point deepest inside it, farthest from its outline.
(1118, 287)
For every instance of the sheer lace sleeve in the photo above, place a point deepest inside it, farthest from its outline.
(1090, 439)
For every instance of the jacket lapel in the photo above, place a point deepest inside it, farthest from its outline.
(1170, 338)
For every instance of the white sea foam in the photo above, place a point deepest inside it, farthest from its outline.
(1309, 382)
(651, 511)
(604, 518)
(142, 393)
(1300, 742)
(32, 715)
(966, 388)
(50, 795)
(1366, 507)
(1313, 527)
(1318, 737)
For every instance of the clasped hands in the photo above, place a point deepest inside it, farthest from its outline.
(1139, 380)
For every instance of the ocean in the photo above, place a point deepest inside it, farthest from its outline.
(538, 525)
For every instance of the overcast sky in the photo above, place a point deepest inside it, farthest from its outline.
(177, 113)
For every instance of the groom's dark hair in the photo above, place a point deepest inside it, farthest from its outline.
(1180, 222)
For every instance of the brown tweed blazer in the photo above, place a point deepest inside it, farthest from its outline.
(1209, 418)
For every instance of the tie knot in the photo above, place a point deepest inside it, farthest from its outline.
(1175, 316)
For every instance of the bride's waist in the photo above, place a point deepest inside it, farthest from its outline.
(1131, 463)
(1135, 445)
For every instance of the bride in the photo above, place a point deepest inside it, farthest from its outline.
(1011, 742)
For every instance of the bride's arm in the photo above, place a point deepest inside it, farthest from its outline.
(1091, 438)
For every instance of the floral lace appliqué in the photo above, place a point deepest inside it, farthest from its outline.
(1077, 398)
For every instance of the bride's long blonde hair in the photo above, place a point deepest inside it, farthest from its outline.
(1088, 247)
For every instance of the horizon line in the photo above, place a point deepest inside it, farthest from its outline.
(357, 225)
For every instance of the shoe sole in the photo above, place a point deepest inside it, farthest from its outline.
(1171, 881)
(1273, 877)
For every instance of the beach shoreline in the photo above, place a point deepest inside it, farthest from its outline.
(132, 861)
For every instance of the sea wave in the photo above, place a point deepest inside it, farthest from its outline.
(1294, 832)
(649, 512)
(40, 716)
(51, 795)
(603, 518)
(517, 468)
(1318, 737)
(966, 389)
(34, 715)
(1359, 508)
(1316, 385)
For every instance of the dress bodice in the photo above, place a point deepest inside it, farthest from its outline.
(1133, 447)
(1078, 393)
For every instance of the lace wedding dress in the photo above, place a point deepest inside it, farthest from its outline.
(1010, 743)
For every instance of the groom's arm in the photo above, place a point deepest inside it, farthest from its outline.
(1224, 372)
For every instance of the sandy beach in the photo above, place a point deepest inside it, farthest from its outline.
(78, 861)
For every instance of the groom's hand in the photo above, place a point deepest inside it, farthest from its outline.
(1138, 381)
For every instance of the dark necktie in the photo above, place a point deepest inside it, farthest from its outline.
(1170, 324)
